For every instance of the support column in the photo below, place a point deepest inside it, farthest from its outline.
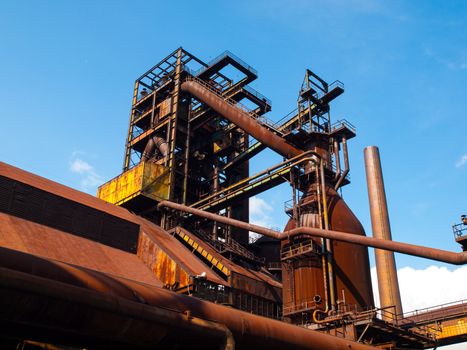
(388, 284)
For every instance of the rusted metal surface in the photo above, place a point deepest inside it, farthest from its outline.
(154, 142)
(63, 191)
(30, 203)
(241, 119)
(160, 258)
(350, 262)
(388, 284)
(259, 277)
(108, 310)
(171, 274)
(168, 259)
(41, 240)
(157, 250)
(405, 248)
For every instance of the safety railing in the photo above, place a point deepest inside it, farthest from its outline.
(389, 315)
(300, 249)
(305, 305)
(257, 94)
(261, 119)
(459, 230)
(221, 57)
(437, 312)
(274, 266)
(343, 123)
(335, 84)
(231, 245)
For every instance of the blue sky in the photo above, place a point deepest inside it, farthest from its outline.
(67, 70)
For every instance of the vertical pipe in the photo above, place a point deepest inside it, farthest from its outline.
(324, 256)
(337, 158)
(332, 295)
(153, 110)
(186, 168)
(346, 153)
(215, 186)
(388, 284)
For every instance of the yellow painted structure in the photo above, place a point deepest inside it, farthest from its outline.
(452, 328)
(196, 245)
(145, 179)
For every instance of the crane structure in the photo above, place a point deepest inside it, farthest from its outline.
(165, 247)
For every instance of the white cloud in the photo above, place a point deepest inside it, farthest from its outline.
(80, 166)
(89, 178)
(429, 287)
(432, 286)
(462, 161)
(260, 211)
(260, 214)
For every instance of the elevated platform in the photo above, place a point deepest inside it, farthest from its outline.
(448, 322)
(223, 60)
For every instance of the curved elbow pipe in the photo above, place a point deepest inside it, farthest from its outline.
(154, 142)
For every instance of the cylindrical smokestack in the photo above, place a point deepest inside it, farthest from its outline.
(388, 284)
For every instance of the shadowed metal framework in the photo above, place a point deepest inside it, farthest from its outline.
(201, 123)
(171, 253)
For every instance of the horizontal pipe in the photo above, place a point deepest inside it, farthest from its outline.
(154, 316)
(242, 119)
(22, 284)
(404, 248)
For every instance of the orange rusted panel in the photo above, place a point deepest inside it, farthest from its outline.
(27, 236)
(163, 266)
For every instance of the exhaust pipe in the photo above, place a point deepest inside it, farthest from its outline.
(388, 284)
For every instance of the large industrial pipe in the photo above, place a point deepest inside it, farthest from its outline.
(388, 284)
(405, 248)
(154, 142)
(241, 118)
(145, 316)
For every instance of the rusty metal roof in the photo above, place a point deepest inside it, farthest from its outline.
(40, 240)
(48, 242)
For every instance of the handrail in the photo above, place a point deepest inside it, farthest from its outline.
(343, 123)
(458, 230)
(298, 248)
(441, 307)
(221, 57)
(261, 119)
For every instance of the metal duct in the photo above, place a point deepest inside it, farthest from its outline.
(154, 142)
(242, 119)
(405, 248)
(90, 307)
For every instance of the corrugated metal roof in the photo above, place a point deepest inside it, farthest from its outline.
(27, 236)
(33, 238)
(68, 248)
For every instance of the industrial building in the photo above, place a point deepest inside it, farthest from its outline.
(161, 258)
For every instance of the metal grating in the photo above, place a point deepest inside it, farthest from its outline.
(30, 203)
